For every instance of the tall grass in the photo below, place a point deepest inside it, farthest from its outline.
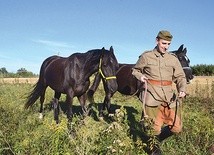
(22, 132)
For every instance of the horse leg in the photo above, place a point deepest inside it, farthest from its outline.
(56, 106)
(82, 100)
(107, 103)
(42, 99)
(93, 88)
(69, 102)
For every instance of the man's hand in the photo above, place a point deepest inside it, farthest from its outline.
(143, 78)
(182, 94)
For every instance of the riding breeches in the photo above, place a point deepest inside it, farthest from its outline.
(163, 115)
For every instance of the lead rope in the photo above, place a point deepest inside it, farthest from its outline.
(144, 100)
(144, 97)
(181, 110)
(163, 100)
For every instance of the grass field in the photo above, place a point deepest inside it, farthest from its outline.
(200, 84)
(23, 133)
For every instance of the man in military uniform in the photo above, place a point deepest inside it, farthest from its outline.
(160, 69)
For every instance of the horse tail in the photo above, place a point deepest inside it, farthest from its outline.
(38, 90)
(39, 87)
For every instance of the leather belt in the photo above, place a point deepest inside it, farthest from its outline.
(160, 82)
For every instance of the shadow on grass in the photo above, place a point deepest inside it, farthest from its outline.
(135, 127)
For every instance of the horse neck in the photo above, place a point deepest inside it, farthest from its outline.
(92, 64)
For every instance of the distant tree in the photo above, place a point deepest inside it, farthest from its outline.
(209, 70)
(203, 70)
(3, 70)
(22, 72)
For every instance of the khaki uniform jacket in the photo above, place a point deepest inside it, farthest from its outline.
(160, 67)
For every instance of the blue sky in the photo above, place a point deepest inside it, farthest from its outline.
(32, 30)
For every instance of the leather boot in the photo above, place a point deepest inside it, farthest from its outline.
(153, 146)
(165, 133)
(156, 151)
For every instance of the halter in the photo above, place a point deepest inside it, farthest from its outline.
(188, 68)
(101, 72)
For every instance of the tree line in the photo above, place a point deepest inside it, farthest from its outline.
(22, 72)
(198, 70)
(203, 70)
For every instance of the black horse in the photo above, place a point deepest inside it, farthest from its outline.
(70, 76)
(129, 85)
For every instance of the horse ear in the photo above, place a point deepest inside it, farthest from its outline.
(185, 50)
(103, 48)
(181, 47)
(111, 49)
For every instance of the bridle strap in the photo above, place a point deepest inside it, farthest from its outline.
(186, 67)
(101, 72)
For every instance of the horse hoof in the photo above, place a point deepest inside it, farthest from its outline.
(87, 112)
(101, 118)
(40, 116)
(111, 115)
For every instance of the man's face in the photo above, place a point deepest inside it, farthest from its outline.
(162, 45)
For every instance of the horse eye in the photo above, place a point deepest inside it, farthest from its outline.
(104, 64)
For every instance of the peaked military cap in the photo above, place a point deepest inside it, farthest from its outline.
(166, 35)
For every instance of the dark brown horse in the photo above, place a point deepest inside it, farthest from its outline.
(129, 85)
(70, 76)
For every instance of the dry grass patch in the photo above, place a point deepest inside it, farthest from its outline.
(19, 80)
(201, 85)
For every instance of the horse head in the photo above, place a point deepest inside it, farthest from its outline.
(185, 62)
(108, 68)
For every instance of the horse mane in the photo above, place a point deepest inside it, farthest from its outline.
(92, 57)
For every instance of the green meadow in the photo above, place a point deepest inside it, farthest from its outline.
(23, 133)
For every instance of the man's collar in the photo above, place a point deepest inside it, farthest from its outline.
(157, 54)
